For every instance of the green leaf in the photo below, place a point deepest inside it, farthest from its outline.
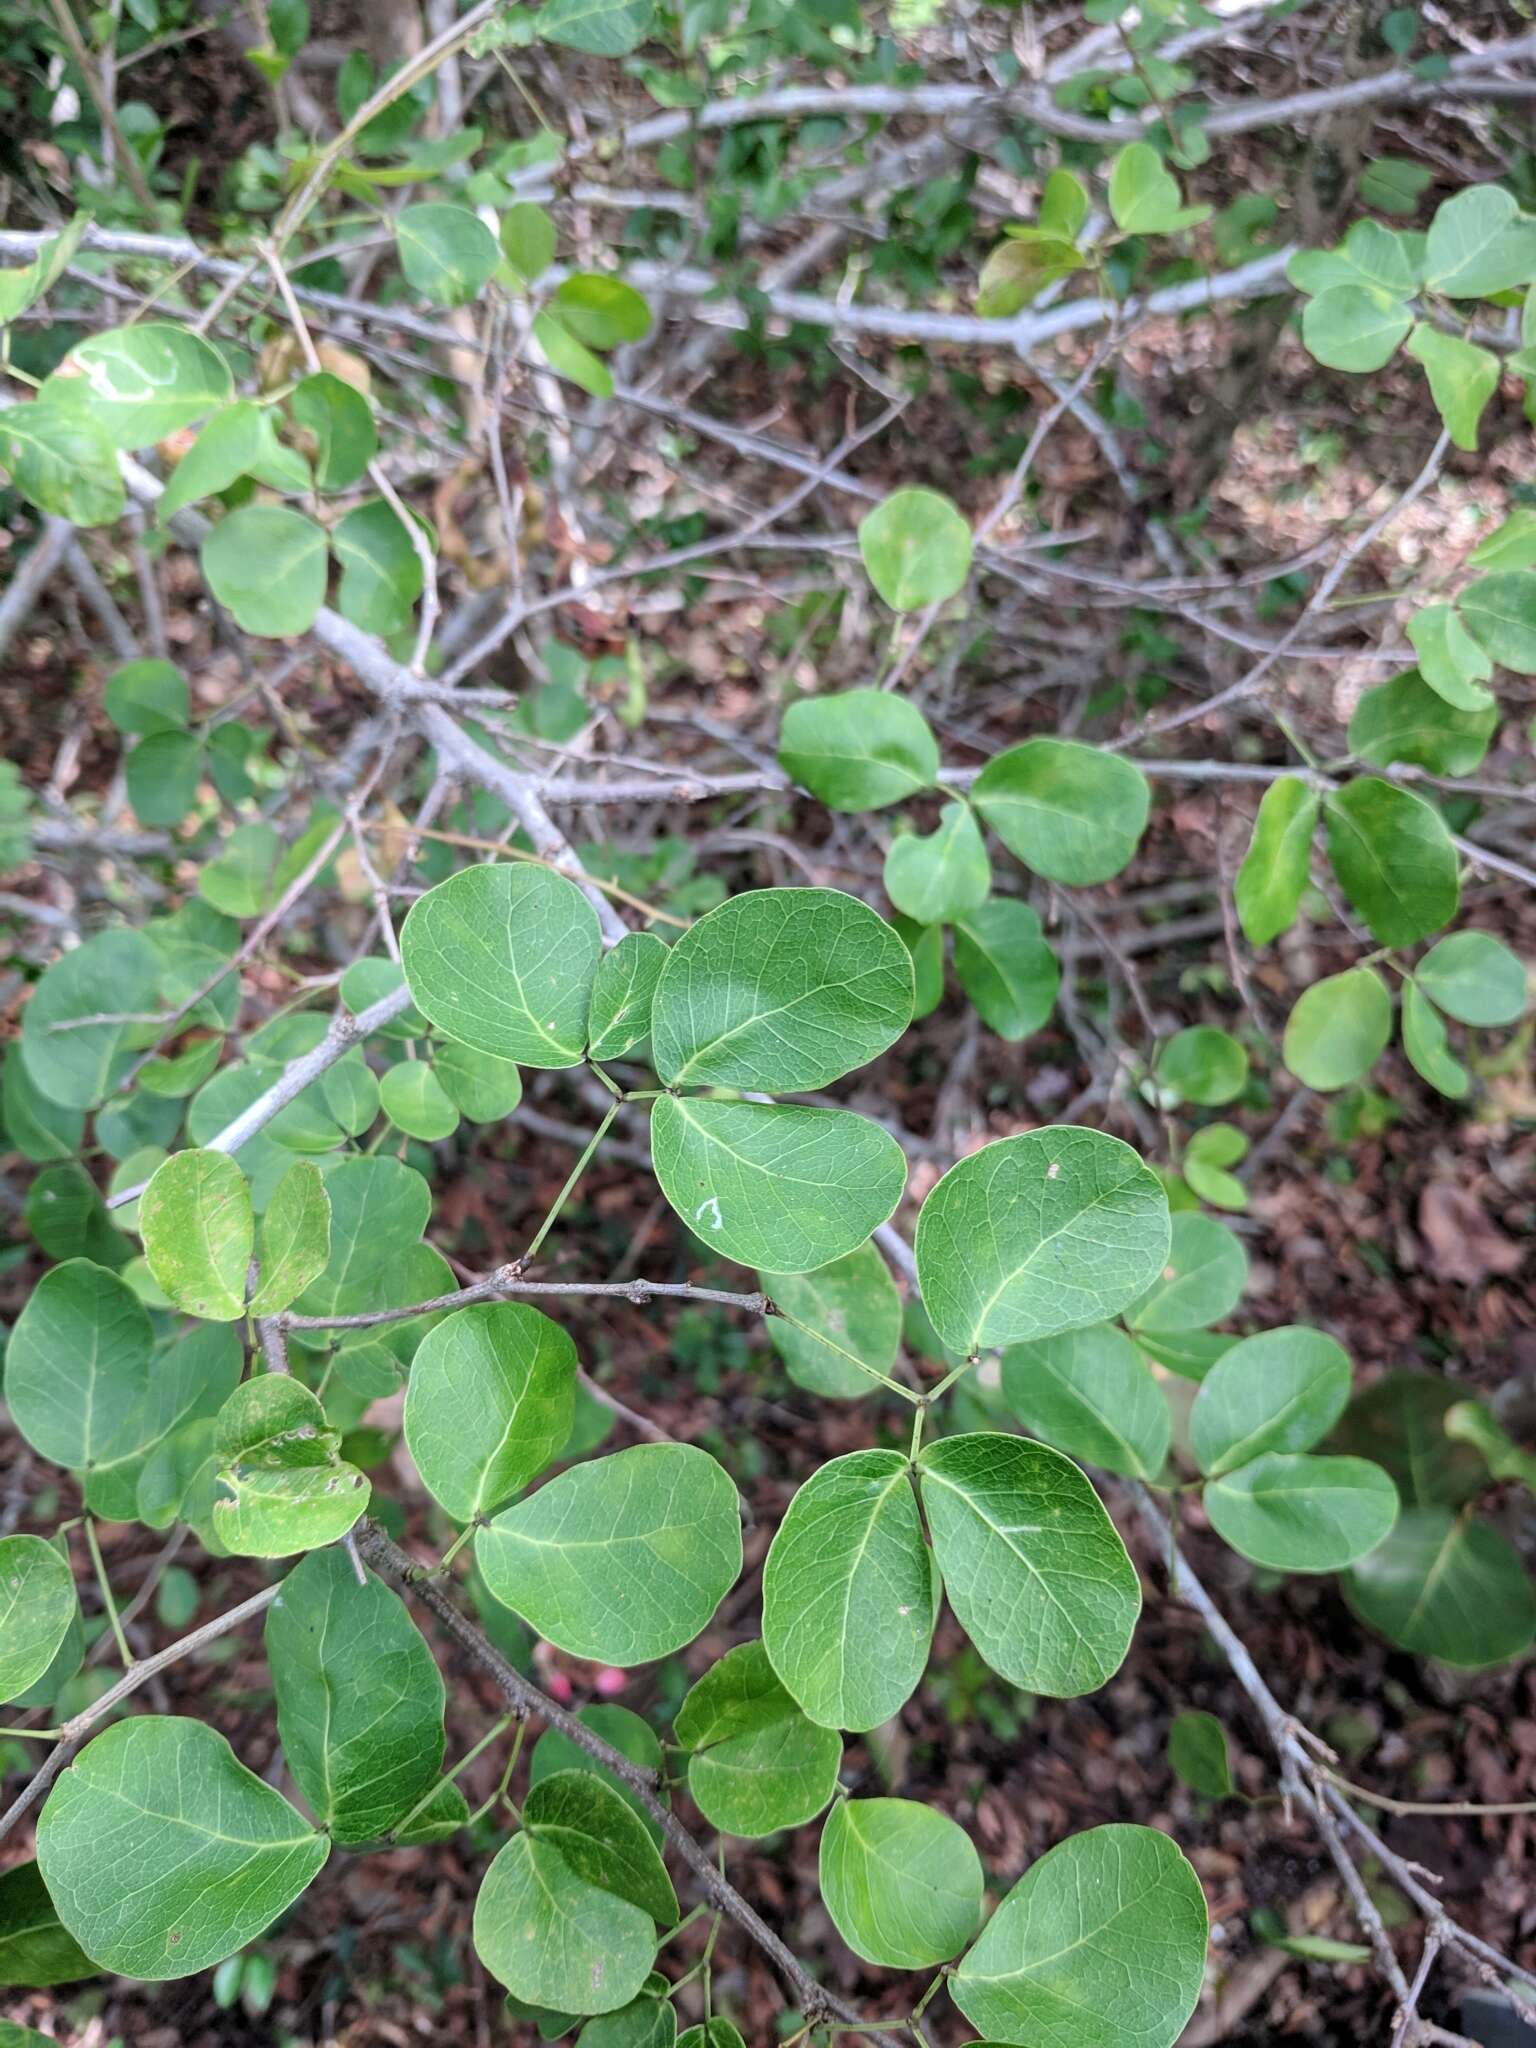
(903, 1883)
(848, 1592)
(602, 312)
(1479, 243)
(113, 976)
(142, 383)
(19, 288)
(1034, 1568)
(772, 1184)
(34, 1126)
(489, 1404)
(935, 878)
(1203, 1065)
(1338, 1029)
(602, 28)
(37, 1605)
(294, 1240)
(1269, 883)
(602, 1838)
(859, 750)
(780, 989)
(1102, 1940)
(239, 441)
(504, 958)
(1427, 1046)
(621, 1730)
(528, 239)
(1500, 613)
(1300, 1514)
(199, 1232)
(77, 1368)
(1018, 270)
(1369, 254)
(214, 1854)
(36, 1949)
(1144, 198)
(341, 421)
(570, 358)
(855, 1303)
(1031, 1235)
(359, 1698)
(619, 1017)
(62, 461)
(1394, 183)
(416, 1102)
(1406, 720)
(554, 1939)
(1087, 1393)
(447, 253)
(379, 1209)
(646, 2022)
(267, 565)
(1005, 966)
(480, 1086)
(1474, 978)
(1462, 377)
(757, 1763)
(381, 572)
(163, 773)
(916, 549)
(1278, 1391)
(715, 2033)
(1446, 1586)
(67, 1216)
(1394, 859)
(622, 1560)
(1197, 1754)
(285, 1488)
(1354, 327)
(1064, 204)
(1201, 1283)
(1450, 660)
(1511, 545)
(147, 697)
(239, 881)
(1071, 813)
(1400, 1424)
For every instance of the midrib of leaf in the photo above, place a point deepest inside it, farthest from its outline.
(1099, 1201)
(1007, 1534)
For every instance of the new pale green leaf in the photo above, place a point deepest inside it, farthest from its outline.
(1338, 1029)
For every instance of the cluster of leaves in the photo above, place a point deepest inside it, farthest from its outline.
(1059, 1255)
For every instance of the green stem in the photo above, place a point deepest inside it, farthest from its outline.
(106, 1592)
(455, 1547)
(575, 1175)
(506, 1777)
(496, 1728)
(869, 1371)
(949, 1379)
